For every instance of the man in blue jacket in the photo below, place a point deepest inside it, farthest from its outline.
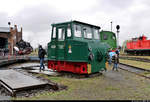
(111, 54)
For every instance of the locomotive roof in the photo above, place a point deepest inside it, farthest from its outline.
(107, 31)
(76, 22)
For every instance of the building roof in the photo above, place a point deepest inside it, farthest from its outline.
(4, 29)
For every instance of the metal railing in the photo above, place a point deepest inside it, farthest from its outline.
(13, 57)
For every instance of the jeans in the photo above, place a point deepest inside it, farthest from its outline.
(115, 66)
(109, 61)
(42, 63)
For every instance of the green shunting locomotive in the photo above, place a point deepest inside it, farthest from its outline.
(109, 38)
(76, 47)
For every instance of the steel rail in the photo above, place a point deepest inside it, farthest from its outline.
(138, 68)
(133, 67)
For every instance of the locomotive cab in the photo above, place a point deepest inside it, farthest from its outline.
(109, 38)
(75, 47)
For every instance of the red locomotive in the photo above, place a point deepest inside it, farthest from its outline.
(138, 46)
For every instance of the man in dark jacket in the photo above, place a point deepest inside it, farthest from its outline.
(117, 52)
(116, 61)
(41, 54)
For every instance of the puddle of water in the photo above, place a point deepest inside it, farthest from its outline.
(19, 65)
(45, 72)
(5, 97)
(33, 67)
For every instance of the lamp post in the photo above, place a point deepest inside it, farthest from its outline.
(9, 23)
(118, 27)
(111, 26)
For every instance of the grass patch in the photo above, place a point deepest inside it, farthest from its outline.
(144, 65)
(111, 88)
(126, 77)
(56, 79)
(146, 73)
(147, 88)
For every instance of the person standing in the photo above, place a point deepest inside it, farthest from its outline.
(109, 57)
(41, 54)
(116, 61)
(117, 52)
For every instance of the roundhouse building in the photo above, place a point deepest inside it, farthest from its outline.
(9, 36)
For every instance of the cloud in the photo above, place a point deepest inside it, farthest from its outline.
(36, 22)
(36, 17)
(39, 18)
(117, 3)
(3, 19)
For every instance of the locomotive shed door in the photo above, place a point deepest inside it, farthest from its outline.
(60, 44)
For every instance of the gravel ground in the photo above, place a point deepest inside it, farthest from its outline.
(112, 85)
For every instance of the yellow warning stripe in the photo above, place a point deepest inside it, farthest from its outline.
(89, 68)
(106, 65)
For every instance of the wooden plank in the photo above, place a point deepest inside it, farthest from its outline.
(17, 80)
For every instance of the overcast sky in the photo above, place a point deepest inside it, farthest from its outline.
(36, 16)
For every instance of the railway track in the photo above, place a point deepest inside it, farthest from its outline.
(135, 70)
(135, 59)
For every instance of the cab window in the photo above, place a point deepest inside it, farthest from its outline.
(96, 34)
(61, 34)
(87, 32)
(68, 32)
(54, 32)
(113, 37)
(105, 37)
(77, 31)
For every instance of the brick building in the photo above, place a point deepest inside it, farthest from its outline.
(9, 36)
